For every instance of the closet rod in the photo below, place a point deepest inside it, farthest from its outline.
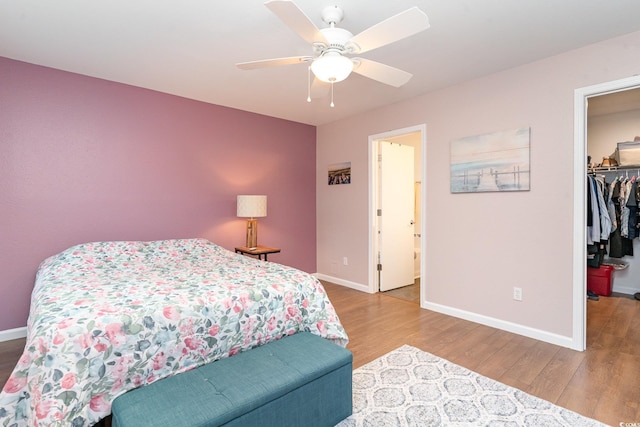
(615, 171)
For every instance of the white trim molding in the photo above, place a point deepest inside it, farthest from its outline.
(342, 282)
(373, 197)
(581, 96)
(13, 334)
(501, 324)
(624, 289)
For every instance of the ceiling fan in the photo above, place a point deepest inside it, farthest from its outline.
(331, 61)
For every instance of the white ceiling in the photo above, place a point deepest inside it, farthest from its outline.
(190, 48)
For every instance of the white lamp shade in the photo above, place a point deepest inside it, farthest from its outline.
(332, 67)
(251, 206)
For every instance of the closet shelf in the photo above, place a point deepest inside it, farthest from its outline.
(614, 169)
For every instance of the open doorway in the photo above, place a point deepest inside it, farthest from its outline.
(581, 102)
(389, 269)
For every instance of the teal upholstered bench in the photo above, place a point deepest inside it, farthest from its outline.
(299, 380)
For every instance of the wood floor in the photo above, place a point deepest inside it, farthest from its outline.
(602, 382)
(411, 292)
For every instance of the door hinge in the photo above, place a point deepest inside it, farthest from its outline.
(379, 212)
(379, 267)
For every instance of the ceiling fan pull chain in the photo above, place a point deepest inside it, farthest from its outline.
(309, 83)
(331, 95)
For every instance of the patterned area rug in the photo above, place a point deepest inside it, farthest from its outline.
(409, 387)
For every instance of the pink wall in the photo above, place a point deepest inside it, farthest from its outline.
(83, 159)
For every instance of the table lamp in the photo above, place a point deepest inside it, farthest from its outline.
(252, 207)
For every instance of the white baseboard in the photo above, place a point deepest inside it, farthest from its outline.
(526, 331)
(342, 282)
(12, 334)
(624, 290)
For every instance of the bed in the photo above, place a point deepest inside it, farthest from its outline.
(107, 317)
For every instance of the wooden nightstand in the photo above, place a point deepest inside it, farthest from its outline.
(258, 251)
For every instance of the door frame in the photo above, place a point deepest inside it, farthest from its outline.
(373, 199)
(581, 95)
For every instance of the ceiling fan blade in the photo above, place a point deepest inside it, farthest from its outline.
(380, 72)
(296, 19)
(275, 62)
(398, 27)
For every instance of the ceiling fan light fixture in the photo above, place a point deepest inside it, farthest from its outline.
(332, 67)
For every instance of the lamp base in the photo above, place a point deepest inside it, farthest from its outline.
(252, 233)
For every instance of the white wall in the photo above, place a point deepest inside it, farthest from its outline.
(604, 132)
(479, 246)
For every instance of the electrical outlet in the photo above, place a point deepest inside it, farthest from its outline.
(345, 261)
(517, 294)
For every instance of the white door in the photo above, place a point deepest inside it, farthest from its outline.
(396, 217)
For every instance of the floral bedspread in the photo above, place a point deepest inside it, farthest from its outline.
(107, 317)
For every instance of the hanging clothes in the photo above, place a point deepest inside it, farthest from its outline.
(599, 229)
(632, 206)
(605, 220)
(611, 208)
(620, 244)
(613, 216)
(593, 231)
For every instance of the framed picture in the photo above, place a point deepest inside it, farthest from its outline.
(340, 173)
(496, 161)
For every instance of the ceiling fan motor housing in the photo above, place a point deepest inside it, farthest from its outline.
(337, 38)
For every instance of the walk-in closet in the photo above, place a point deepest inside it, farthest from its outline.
(613, 195)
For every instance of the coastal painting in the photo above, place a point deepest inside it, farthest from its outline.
(497, 161)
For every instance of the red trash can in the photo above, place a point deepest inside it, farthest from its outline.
(600, 280)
